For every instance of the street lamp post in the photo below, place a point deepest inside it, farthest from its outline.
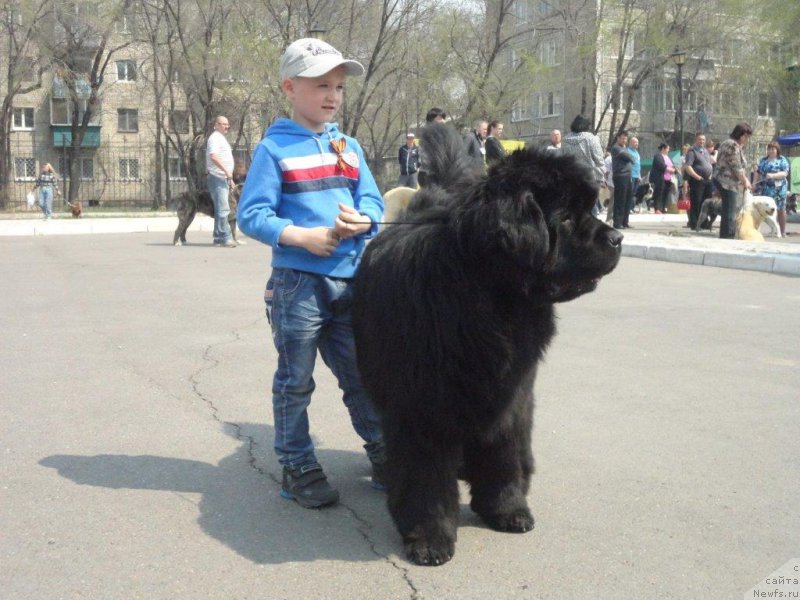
(679, 58)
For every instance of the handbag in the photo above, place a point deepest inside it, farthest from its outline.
(684, 203)
(30, 199)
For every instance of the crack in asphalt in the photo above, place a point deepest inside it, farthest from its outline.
(235, 429)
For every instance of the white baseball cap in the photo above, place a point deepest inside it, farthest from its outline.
(310, 57)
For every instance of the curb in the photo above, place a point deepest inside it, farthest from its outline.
(728, 254)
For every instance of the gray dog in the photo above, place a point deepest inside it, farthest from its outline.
(711, 209)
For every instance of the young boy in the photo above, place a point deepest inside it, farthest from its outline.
(310, 196)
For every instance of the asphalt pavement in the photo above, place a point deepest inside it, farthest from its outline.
(653, 237)
(136, 459)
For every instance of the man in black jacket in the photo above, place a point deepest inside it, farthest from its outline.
(409, 163)
(621, 167)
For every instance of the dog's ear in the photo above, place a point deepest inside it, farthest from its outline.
(513, 226)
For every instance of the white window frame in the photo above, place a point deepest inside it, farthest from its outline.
(125, 165)
(23, 112)
(126, 71)
(28, 164)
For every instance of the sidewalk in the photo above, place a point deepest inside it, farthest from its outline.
(653, 237)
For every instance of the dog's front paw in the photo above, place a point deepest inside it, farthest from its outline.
(429, 548)
(519, 520)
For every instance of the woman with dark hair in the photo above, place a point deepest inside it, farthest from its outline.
(494, 149)
(732, 177)
(661, 178)
(585, 145)
(772, 174)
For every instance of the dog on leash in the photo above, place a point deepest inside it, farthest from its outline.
(756, 210)
(641, 200)
(75, 208)
(709, 211)
(452, 311)
(187, 205)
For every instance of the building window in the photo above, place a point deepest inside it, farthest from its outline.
(546, 104)
(520, 9)
(23, 119)
(127, 120)
(61, 112)
(126, 70)
(177, 170)
(25, 168)
(179, 121)
(520, 111)
(767, 105)
(550, 53)
(129, 169)
(86, 167)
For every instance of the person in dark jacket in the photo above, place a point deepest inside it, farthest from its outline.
(408, 156)
(494, 149)
(661, 178)
(621, 167)
(475, 141)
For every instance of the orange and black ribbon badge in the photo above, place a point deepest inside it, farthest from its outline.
(338, 147)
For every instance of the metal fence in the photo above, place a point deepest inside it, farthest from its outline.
(113, 177)
(123, 177)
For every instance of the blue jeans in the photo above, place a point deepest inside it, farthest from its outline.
(308, 312)
(46, 200)
(218, 188)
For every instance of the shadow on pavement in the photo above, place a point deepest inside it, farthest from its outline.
(240, 505)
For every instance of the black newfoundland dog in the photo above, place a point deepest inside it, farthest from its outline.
(453, 309)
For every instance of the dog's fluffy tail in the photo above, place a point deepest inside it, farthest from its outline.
(444, 157)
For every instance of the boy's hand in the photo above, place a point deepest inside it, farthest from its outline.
(321, 241)
(350, 222)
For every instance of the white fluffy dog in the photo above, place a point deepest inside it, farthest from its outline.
(756, 210)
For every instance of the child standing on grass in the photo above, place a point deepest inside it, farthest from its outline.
(310, 196)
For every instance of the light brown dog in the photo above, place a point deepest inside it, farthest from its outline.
(75, 208)
(756, 210)
(395, 201)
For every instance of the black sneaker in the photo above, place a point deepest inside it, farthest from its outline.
(378, 476)
(308, 486)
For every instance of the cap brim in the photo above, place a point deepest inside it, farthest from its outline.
(352, 67)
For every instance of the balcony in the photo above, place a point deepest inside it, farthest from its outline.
(62, 136)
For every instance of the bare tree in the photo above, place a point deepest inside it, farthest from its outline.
(23, 71)
(81, 47)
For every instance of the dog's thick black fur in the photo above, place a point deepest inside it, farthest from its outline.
(453, 311)
(187, 205)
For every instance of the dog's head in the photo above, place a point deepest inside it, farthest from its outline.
(762, 207)
(530, 222)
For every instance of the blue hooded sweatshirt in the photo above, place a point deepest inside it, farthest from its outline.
(298, 178)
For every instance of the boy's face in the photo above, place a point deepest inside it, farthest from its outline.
(316, 100)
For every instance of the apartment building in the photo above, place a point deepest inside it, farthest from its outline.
(129, 156)
(597, 63)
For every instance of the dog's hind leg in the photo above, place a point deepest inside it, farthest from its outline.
(184, 221)
(423, 498)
